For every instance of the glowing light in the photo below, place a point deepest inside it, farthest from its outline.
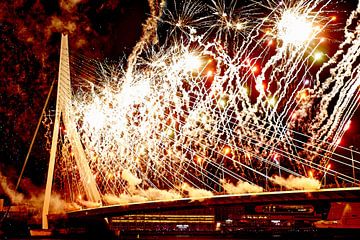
(303, 95)
(318, 56)
(142, 151)
(260, 86)
(199, 160)
(204, 118)
(94, 118)
(310, 174)
(170, 133)
(347, 125)
(255, 69)
(244, 90)
(209, 73)
(192, 62)
(226, 150)
(328, 167)
(272, 101)
(276, 158)
(223, 102)
(239, 26)
(294, 28)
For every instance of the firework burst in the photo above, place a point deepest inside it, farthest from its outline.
(227, 104)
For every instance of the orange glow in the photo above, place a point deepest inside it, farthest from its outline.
(227, 150)
(303, 95)
(255, 69)
(260, 86)
(333, 18)
(209, 73)
(310, 173)
(276, 158)
(328, 166)
(198, 159)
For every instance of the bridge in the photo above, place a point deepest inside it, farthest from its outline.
(195, 128)
(281, 197)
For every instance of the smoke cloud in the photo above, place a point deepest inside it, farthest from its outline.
(33, 198)
(150, 194)
(300, 183)
(240, 187)
(195, 192)
(131, 180)
(15, 197)
(157, 194)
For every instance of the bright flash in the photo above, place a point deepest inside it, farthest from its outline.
(227, 150)
(318, 56)
(272, 101)
(94, 118)
(347, 125)
(192, 62)
(239, 26)
(294, 28)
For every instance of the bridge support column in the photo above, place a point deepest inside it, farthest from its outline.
(63, 112)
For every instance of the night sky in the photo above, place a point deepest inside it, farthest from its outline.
(29, 48)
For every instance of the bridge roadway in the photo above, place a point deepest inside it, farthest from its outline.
(281, 197)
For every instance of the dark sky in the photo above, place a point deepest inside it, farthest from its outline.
(29, 46)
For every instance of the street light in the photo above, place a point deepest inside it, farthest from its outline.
(352, 163)
(266, 179)
(326, 170)
(278, 163)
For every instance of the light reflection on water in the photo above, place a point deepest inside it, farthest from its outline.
(343, 235)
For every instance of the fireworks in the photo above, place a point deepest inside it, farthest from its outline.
(294, 28)
(218, 108)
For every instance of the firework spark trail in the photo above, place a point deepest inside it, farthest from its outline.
(297, 158)
(149, 33)
(325, 125)
(216, 108)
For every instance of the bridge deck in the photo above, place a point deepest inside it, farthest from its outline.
(303, 196)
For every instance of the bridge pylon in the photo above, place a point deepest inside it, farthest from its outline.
(63, 112)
